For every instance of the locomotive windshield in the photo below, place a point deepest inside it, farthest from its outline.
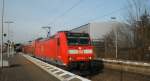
(78, 39)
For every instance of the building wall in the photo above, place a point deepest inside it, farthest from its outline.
(98, 29)
(84, 28)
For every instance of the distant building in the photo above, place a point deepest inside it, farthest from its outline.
(98, 29)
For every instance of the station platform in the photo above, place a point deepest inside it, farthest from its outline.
(21, 69)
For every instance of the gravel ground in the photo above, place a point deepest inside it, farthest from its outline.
(114, 75)
(23, 70)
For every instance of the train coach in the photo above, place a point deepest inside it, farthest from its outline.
(69, 49)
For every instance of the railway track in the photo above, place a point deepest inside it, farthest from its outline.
(83, 73)
(113, 75)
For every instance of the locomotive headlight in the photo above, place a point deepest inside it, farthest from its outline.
(70, 58)
(88, 51)
(73, 51)
(90, 58)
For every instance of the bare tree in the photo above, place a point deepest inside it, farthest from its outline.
(138, 19)
(133, 36)
(124, 38)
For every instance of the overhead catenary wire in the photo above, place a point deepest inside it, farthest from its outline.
(67, 11)
(112, 12)
(95, 7)
(90, 20)
(108, 14)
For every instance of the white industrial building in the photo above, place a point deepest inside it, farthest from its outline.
(98, 29)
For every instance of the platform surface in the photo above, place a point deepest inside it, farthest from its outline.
(21, 69)
(5, 63)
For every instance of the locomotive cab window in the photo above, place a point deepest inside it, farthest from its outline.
(78, 39)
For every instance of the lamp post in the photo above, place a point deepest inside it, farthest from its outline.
(116, 37)
(2, 33)
(49, 30)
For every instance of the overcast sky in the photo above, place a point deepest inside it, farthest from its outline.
(30, 15)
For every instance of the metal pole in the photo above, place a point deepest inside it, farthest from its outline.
(9, 42)
(49, 30)
(105, 39)
(2, 33)
(116, 43)
(116, 38)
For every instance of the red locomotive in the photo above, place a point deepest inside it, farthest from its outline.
(73, 50)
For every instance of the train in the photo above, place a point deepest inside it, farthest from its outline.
(69, 49)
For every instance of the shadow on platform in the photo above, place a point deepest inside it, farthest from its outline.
(14, 65)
